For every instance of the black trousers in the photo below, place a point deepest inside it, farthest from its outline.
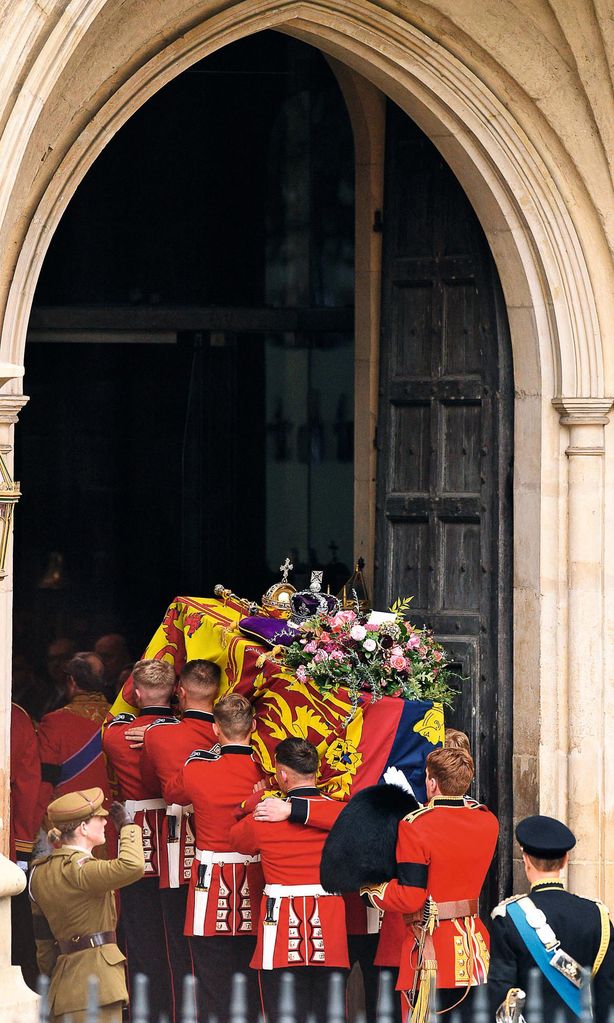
(23, 946)
(173, 902)
(146, 945)
(216, 960)
(311, 990)
(362, 949)
(448, 999)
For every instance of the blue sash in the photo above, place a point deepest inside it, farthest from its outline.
(81, 759)
(563, 987)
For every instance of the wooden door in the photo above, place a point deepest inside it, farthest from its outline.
(444, 507)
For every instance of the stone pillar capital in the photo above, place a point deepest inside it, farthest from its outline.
(586, 419)
(583, 411)
(10, 407)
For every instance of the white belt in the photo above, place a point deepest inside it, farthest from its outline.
(173, 843)
(134, 805)
(280, 891)
(207, 857)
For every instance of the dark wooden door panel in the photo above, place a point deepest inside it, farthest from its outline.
(445, 441)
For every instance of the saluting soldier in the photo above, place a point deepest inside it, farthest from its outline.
(552, 929)
(74, 907)
(443, 852)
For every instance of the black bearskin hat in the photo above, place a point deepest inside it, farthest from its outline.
(360, 848)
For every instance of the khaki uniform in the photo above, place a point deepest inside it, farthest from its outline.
(73, 891)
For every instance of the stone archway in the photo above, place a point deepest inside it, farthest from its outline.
(555, 286)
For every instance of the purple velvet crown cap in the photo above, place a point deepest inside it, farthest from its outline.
(306, 604)
(272, 631)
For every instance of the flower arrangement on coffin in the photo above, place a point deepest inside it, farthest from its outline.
(387, 658)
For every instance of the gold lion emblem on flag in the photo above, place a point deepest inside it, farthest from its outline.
(343, 756)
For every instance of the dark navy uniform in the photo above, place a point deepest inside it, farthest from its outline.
(576, 923)
(582, 927)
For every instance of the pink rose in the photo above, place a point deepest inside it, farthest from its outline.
(358, 632)
(437, 655)
(396, 651)
(369, 645)
(398, 663)
(337, 655)
(341, 619)
(311, 647)
(321, 656)
(371, 627)
(413, 642)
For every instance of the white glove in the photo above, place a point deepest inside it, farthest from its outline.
(393, 776)
(23, 865)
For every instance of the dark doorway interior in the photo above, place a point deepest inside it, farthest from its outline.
(445, 438)
(190, 355)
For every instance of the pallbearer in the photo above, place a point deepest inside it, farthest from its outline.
(226, 884)
(302, 927)
(167, 744)
(141, 909)
(444, 850)
(551, 929)
(73, 905)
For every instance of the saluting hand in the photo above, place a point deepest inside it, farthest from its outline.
(272, 810)
(119, 815)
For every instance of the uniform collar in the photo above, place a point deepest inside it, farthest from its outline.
(158, 712)
(448, 801)
(68, 850)
(236, 747)
(304, 790)
(544, 886)
(198, 715)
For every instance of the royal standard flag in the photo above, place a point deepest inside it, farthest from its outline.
(355, 749)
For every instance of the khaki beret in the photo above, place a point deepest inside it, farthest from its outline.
(77, 806)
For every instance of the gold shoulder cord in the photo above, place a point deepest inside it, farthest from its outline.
(605, 937)
(414, 814)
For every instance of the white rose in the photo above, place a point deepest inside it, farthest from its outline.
(358, 632)
(369, 645)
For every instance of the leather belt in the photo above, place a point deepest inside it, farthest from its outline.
(447, 911)
(80, 942)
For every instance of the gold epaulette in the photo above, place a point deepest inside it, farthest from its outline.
(411, 817)
(501, 909)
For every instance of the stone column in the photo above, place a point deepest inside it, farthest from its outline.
(585, 419)
(18, 1002)
(367, 109)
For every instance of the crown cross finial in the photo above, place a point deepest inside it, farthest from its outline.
(285, 568)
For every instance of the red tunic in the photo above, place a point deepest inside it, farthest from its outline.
(224, 890)
(443, 850)
(306, 928)
(25, 784)
(126, 761)
(392, 934)
(71, 750)
(167, 745)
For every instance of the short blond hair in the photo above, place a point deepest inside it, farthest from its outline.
(155, 677)
(234, 716)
